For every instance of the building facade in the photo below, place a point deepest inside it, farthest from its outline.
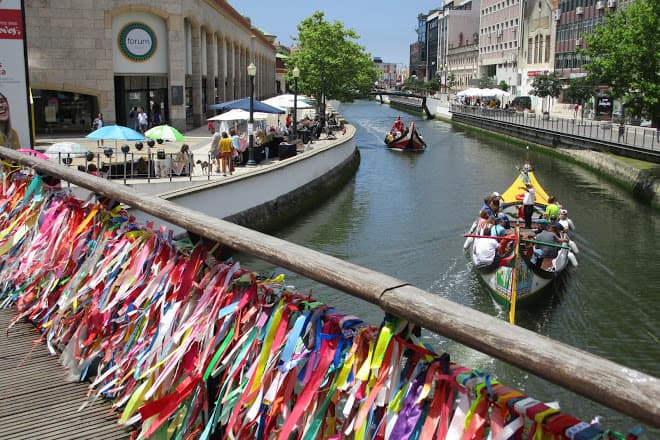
(171, 58)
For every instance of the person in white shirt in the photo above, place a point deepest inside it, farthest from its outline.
(528, 204)
(485, 249)
(143, 120)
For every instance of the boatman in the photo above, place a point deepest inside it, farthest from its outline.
(397, 127)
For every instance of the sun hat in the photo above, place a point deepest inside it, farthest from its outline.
(496, 194)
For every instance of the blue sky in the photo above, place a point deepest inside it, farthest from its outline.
(386, 28)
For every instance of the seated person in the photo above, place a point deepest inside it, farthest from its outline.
(550, 236)
(485, 250)
(182, 163)
(566, 222)
(552, 208)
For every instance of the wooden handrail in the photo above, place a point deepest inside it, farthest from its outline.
(621, 388)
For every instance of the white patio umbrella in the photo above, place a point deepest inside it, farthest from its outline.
(238, 115)
(287, 101)
(470, 92)
(65, 149)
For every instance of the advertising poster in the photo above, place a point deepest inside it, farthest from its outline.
(14, 112)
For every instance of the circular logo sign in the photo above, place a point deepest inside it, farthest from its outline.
(137, 42)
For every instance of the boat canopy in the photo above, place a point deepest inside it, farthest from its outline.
(515, 195)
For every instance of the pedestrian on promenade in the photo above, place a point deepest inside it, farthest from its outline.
(132, 117)
(225, 153)
(143, 120)
(96, 124)
(576, 107)
(214, 152)
(622, 130)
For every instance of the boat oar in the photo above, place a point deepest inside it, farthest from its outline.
(514, 279)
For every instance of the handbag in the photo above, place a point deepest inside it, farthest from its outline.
(160, 154)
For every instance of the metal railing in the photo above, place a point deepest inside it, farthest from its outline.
(624, 389)
(626, 135)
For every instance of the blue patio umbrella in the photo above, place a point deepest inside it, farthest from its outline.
(244, 104)
(115, 133)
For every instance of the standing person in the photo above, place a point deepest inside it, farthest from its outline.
(528, 204)
(132, 118)
(143, 120)
(622, 130)
(576, 107)
(236, 146)
(288, 121)
(8, 136)
(209, 126)
(214, 152)
(96, 124)
(225, 153)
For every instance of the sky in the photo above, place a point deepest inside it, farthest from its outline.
(386, 28)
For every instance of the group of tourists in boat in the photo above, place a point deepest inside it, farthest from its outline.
(404, 139)
(521, 240)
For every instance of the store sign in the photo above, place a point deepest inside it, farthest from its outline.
(14, 97)
(137, 42)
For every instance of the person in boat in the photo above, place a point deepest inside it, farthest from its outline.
(499, 228)
(485, 249)
(398, 125)
(528, 204)
(552, 209)
(566, 222)
(549, 234)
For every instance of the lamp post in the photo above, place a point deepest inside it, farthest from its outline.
(296, 74)
(251, 71)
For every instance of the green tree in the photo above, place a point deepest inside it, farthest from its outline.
(331, 63)
(624, 53)
(451, 82)
(503, 86)
(486, 82)
(580, 90)
(547, 84)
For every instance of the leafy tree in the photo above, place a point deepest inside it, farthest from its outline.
(331, 63)
(451, 82)
(486, 82)
(625, 54)
(503, 86)
(433, 84)
(580, 90)
(414, 84)
(547, 84)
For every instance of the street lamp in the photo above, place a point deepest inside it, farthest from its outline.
(296, 74)
(251, 71)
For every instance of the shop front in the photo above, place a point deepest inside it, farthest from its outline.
(63, 112)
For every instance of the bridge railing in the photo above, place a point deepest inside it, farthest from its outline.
(621, 388)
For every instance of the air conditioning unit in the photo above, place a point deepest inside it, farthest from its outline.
(579, 10)
(579, 42)
(557, 14)
(611, 3)
(600, 4)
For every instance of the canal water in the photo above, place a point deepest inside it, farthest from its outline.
(405, 215)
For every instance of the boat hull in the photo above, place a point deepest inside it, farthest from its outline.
(409, 141)
(529, 285)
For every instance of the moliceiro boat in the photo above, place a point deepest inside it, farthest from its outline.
(407, 139)
(518, 257)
